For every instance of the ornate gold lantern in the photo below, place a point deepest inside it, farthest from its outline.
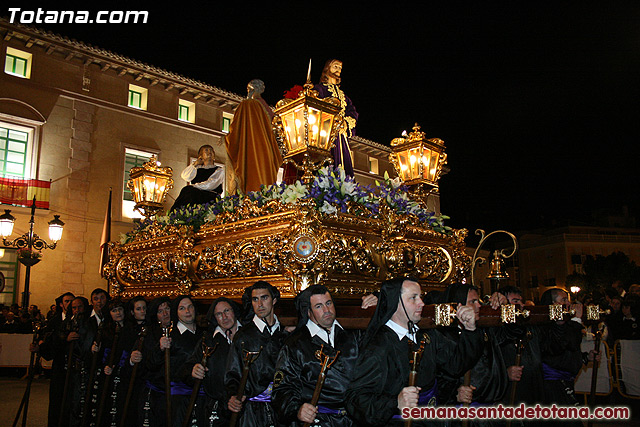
(306, 129)
(149, 185)
(418, 161)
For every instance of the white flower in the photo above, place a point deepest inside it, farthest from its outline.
(328, 208)
(294, 192)
(348, 188)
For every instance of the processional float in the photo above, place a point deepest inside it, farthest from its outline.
(325, 228)
(290, 235)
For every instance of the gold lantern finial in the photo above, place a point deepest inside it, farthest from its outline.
(418, 160)
(149, 185)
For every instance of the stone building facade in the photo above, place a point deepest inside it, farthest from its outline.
(81, 117)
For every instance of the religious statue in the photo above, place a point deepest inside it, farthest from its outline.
(329, 86)
(251, 145)
(205, 177)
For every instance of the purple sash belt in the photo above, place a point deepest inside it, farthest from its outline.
(265, 396)
(554, 374)
(329, 411)
(177, 389)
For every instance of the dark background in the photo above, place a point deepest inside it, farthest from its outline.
(537, 102)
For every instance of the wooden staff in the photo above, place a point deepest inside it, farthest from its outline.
(325, 363)
(24, 404)
(74, 328)
(107, 378)
(249, 358)
(132, 378)
(594, 371)
(92, 376)
(467, 383)
(206, 353)
(167, 373)
(520, 343)
(414, 361)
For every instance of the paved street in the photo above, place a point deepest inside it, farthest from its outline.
(11, 392)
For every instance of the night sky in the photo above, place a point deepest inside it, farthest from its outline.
(538, 104)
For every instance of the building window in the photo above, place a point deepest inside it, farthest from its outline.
(373, 165)
(137, 97)
(186, 111)
(17, 63)
(226, 122)
(16, 145)
(8, 269)
(132, 158)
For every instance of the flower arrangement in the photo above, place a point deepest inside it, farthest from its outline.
(332, 191)
(29, 253)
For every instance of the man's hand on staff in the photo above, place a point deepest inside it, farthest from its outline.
(198, 372)
(514, 372)
(307, 413)
(165, 343)
(465, 393)
(408, 397)
(235, 405)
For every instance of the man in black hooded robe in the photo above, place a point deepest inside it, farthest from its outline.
(488, 376)
(562, 356)
(529, 385)
(223, 321)
(262, 335)
(379, 389)
(298, 367)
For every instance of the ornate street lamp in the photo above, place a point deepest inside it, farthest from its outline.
(149, 185)
(306, 129)
(29, 244)
(496, 267)
(418, 162)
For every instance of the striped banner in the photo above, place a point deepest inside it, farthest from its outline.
(20, 192)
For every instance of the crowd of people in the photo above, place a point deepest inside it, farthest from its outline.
(16, 320)
(137, 363)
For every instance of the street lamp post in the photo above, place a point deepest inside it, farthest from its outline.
(29, 244)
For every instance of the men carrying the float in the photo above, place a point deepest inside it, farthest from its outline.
(527, 378)
(256, 346)
(299, 363)
(562, 357)
(223, 318)
(379, 389)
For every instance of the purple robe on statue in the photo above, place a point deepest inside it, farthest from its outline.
(340, 151)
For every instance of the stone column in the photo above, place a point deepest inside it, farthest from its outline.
(73, 264)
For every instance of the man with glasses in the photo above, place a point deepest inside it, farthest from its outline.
(223, 321)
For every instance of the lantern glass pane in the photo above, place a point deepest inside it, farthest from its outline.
(6, 227)
(414, 163)
(55, 232)
(313, 116)
(433, 165)
(326, 121)
(300, 125)
(288, 121)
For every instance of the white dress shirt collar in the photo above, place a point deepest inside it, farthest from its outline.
(261, 324)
